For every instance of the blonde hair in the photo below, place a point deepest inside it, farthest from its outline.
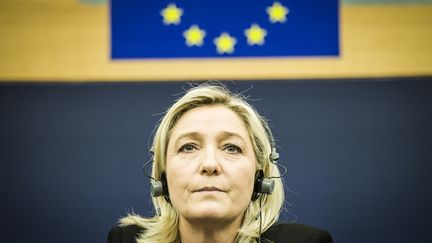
(164, 228)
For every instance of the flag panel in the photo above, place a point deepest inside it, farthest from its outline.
(240, 28)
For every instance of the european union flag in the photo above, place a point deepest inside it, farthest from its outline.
(224, 28)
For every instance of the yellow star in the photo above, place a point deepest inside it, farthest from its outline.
(277, 13)
(194, 36)
(255, 35)
(225, 43)
(171, 14)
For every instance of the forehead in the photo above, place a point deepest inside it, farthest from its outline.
(210, 119)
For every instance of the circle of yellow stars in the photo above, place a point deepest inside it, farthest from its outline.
(225, 43)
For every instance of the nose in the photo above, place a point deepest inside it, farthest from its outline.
(210, 163)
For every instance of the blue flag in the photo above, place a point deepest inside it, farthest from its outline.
(224, 28)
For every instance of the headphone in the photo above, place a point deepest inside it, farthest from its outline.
(262, 185)
(160, 188)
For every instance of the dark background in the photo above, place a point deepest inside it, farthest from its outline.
(358, 154)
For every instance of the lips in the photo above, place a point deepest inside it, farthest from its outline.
(209, 189)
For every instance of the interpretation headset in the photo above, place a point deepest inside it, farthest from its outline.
(262, 185)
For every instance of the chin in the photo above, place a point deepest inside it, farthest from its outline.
(211, 210)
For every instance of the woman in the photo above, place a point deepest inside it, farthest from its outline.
(213, 157)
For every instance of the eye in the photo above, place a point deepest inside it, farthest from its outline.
(233, 149)
(188, 148)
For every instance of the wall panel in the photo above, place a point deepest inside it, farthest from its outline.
(69, 41)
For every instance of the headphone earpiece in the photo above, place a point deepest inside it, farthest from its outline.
(160, 188)
(156, 188)
(262, 185)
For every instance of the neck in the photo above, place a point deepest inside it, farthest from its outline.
(209, 231)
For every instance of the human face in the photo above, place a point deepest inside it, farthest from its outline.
(210, 164)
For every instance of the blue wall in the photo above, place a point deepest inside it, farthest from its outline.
(358, 155)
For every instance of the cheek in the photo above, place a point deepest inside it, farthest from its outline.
(244, 182)
(178, 180)
(176, 190)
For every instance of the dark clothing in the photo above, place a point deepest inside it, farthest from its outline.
(296, 233)
(278, 233)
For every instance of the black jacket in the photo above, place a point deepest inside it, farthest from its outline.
(278, 233)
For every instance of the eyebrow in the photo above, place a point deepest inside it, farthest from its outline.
(226, 134)
(198, 136)
(193, 135)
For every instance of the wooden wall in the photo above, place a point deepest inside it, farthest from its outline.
(67, 40)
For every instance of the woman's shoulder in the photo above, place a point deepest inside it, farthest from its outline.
(281, 232)
(297, 233)
(124, 234)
